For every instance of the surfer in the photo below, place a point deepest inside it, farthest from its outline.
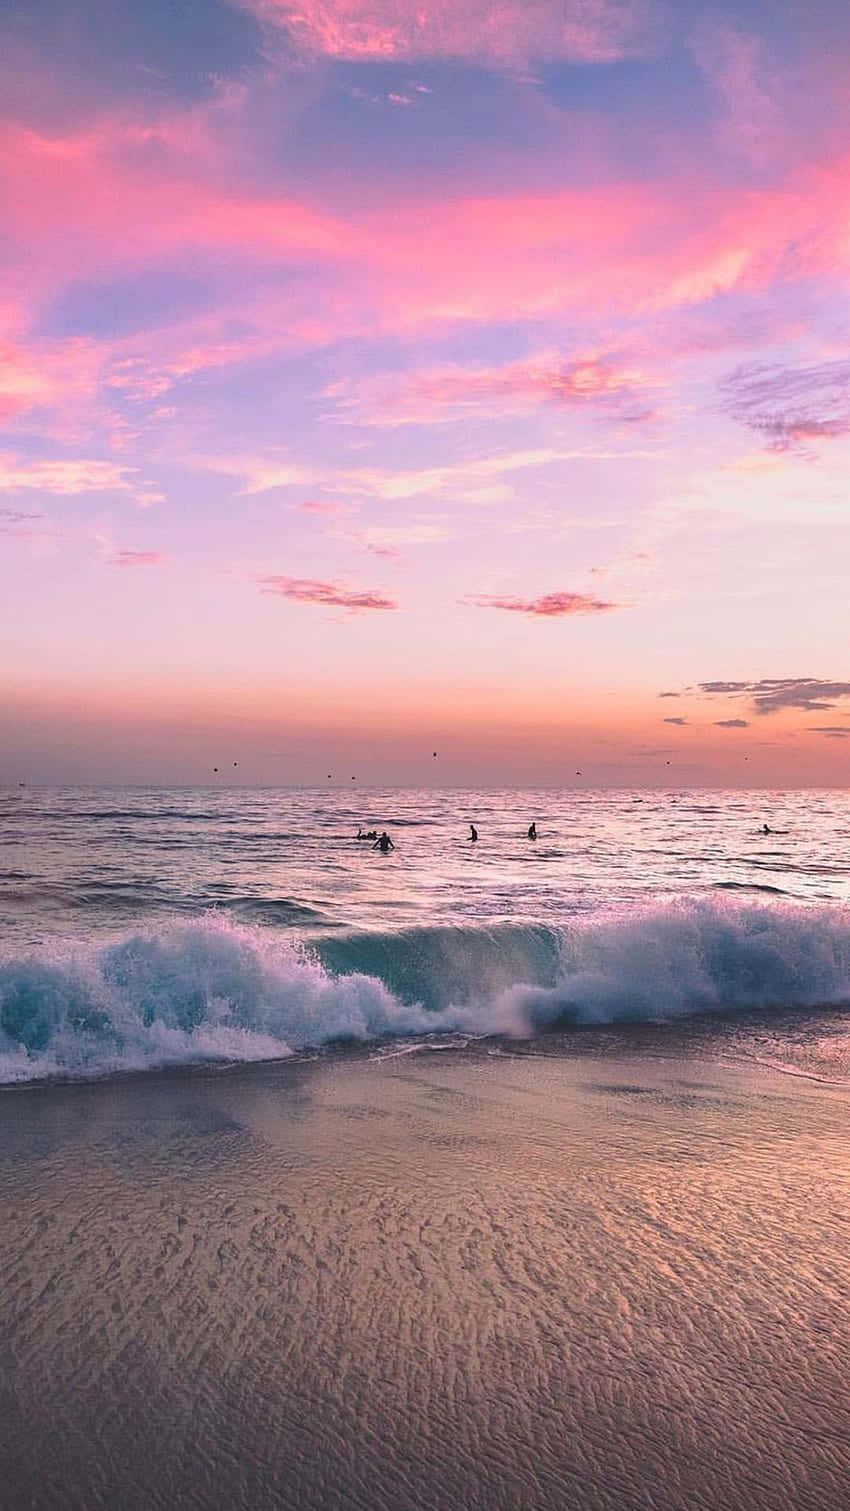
(532, 831)
(473, 833)
(384, 844)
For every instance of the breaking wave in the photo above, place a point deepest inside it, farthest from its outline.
(214, 989)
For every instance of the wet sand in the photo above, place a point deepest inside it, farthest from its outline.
(427, 1282)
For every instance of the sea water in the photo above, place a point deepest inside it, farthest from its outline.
(147, 927)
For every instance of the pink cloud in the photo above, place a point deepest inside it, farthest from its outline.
(508, 32)
(550, 606)
(326, 594)
(138, 559)
(752, 123)
(424, 259)
(448, 392)
(321, 506)
(70, 476)
(44, 374)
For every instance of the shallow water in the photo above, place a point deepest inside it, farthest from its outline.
(610, 1280)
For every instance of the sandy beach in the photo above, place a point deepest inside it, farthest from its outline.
(611, 1279)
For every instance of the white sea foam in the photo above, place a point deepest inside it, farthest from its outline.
(214, 990)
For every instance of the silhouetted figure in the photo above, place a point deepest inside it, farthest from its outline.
(532, 831)
(765, 829)
(372, 834)
(384, 844)
(473, 832)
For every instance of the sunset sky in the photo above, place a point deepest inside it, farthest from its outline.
(387, 376)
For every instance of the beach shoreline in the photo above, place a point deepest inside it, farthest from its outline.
(605, 1278)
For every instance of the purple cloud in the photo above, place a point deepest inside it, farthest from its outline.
(680, 722)
(15, 522)
(326, 594)
(770, 694)
(732, 723)
(791, 406)
(549, 606)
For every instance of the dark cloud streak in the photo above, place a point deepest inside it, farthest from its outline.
(325, 594)
(549, 606)
(771, 694)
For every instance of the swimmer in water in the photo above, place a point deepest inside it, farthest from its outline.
(765, 829)
(384, 844)
(473, 833)
(532, 832)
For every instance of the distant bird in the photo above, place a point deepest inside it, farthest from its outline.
(354, 779)
(578, 773)
(215, 768)
(236, 763)
(435, 752)
(330, 778)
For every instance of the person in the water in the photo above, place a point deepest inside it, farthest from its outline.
(384, 844)
(532, 831)
(473, 832)
(765, 829)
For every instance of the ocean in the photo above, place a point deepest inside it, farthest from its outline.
(495, 1175)
(142, 928)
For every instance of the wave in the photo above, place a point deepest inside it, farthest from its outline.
(215, 989)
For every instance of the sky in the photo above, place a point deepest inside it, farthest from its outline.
(383, 377)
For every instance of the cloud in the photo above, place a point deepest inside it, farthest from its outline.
(752, 124)
(417, 533)
(467, 480)
(550, 606)
(138, 559)
(17, 516)
(494, 32)
(832, 731)
(732, 723)
(72, 476)
(259, 474)
(771, 694)
(680, 722)
(669, 695)
(321, 506)
(791, 407)
(451, 392)
(19, 524)
(326, 594)
(41, 375)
